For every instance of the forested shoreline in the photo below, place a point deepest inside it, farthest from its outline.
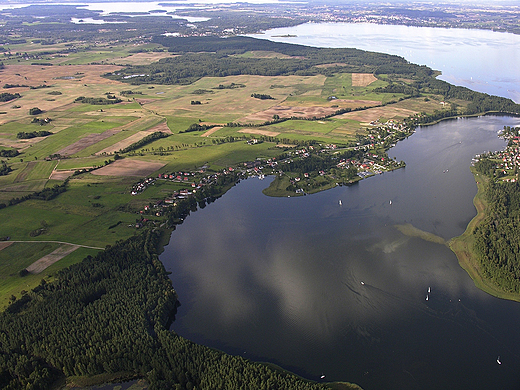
(496, 243)
(111, 314)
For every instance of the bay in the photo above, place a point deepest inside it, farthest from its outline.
(339, 290)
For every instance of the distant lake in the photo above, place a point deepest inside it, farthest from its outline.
(481, 60)
(340, 290)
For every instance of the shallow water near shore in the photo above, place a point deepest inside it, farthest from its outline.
(338, 290)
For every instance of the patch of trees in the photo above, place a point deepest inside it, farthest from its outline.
(7, 86)
(230, 86)
(42, 122)
(41, 85)
(4, 168)
(130, 92)
(46, 194)
(9, 153)
(33, 134)
(97, 101)
(144, 141)
(35, 111)
(497, 238)
(197, 127)
(202, 91)
(112, 313)
(261, 96)
(6, 97)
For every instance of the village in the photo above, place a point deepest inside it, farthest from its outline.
(507, 161)
(306, 169)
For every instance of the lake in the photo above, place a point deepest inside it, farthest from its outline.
(481, 60)
(340, 290)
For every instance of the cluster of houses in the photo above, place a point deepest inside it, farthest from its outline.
(389, 132)
(508, 160)
(143, 185)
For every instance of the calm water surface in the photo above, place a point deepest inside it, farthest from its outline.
(339, 291)
(481, 60)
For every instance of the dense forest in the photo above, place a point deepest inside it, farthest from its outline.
(212, 56)
(497, 240)
(111, 314)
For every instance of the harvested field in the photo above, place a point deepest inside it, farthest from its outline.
(145, 101)
(134, 138)
(48, 260)
(307, 112)
(362, 79)
(163, 126)
(4, 244)
(87, 141)
(142, 58)
(71, 80)
(372, 114)
(19, 143)
(25, 172)
(60, 175)
(129, 167)
(126, 142)
(34, 75)
(259, 132)
(211, 131)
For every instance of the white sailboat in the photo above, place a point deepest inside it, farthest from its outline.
(340, 202)
(498, 360)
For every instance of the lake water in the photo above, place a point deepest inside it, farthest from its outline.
(338, 290)
(481, 60)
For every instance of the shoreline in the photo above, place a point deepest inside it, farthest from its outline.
(462, 246)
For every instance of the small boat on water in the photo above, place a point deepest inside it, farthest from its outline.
(427, 297)
(362, 283)
(429, 290)
(340, 202)
(390, 201)
(498, 360)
